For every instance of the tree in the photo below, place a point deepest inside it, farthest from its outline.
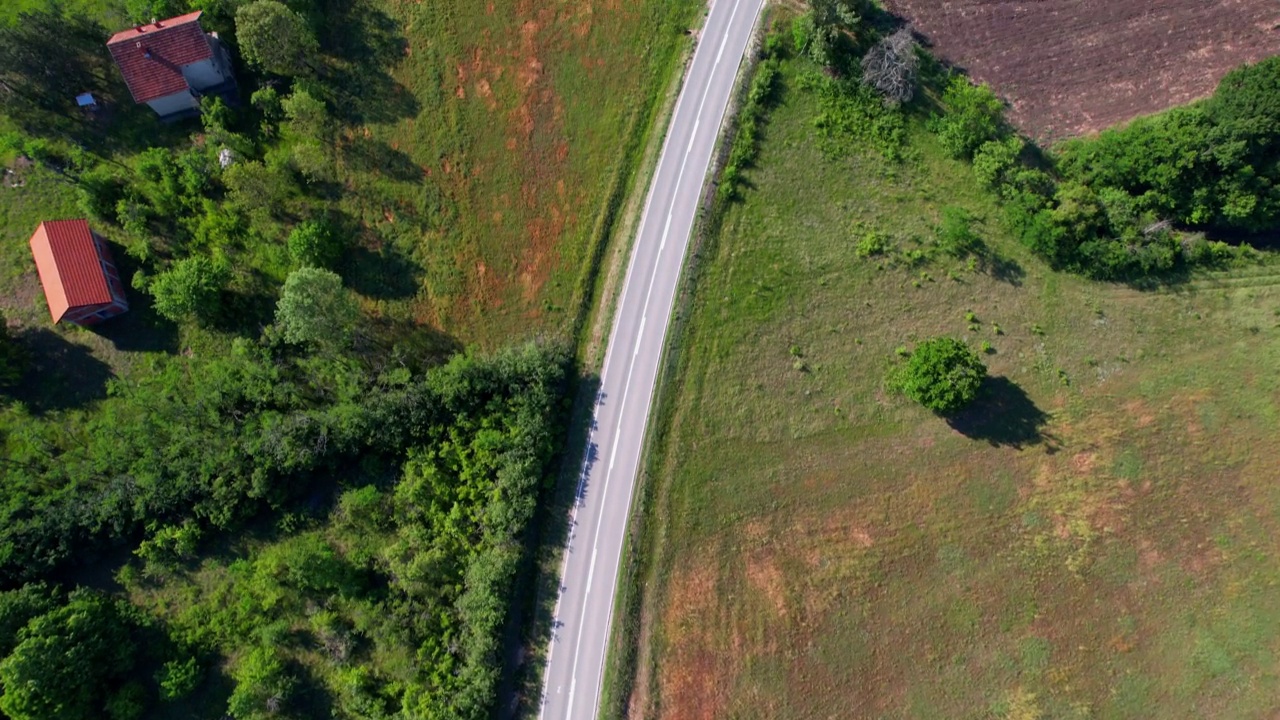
(262, 688)
(973, 117)
(21, 606)
(828, 18)
(66, 665)
(307, 117)
(190, 289)
(275, 38)
(313, 244)
(891, 65)
(261, 190)
(942, 374)
(315, 308)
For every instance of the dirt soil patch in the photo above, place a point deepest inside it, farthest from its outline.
(1071, 67)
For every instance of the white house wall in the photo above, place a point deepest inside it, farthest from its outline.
(175, 103)
(204, 74)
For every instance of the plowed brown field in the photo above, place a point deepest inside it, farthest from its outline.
(1070, 67)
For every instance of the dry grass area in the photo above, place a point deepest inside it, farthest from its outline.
(1070, 67)
(1095, 539)
(526, 114)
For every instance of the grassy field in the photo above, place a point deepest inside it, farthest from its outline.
(479, 163)
(521, 120)
(1095, 539)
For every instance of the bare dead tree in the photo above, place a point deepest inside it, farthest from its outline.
(890, 66)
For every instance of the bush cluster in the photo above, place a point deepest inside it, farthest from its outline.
(1120, 206)
(942, 374)
(750, 122)
(212, 444)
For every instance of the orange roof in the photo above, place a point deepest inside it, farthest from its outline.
(151, 57)
(69, 266)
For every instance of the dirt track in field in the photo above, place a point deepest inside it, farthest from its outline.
(1071, 67)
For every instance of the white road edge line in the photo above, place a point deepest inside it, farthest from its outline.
(608, 630)
(572, 531)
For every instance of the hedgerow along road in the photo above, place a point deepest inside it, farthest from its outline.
(588, 584)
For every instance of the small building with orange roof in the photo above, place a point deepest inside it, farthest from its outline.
(80, 280)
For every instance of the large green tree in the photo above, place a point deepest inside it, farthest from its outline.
(942, 374)
(827, 20)
(190, 289)
(275, 38)
(67, 663)
(314, 308)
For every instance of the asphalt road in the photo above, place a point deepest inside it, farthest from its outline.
(589, 578)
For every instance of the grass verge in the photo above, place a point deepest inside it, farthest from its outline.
(1091, 540)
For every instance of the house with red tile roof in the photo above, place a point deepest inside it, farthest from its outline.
(170, 63)
(80, 280)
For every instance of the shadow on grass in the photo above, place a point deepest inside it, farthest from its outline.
(1001, 268)
(370, 155)
(370, 43)
(140, 329)
(383, 274)
(1004, 416)
(62, 375)
(405, 344)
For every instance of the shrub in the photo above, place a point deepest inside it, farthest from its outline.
(314, 244)
(942, 374)
(955, 233)
(315, 308)
(190, 289)
(872, 243)
(101, 190)
(996, 161)
(973, 117)
(263, 687)
(178, 678)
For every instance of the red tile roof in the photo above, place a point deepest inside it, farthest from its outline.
(170, 44)
(69, 266)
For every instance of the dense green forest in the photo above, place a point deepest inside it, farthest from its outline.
(317, 512)
(391, 598)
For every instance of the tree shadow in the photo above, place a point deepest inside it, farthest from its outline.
(383, 274)
(140, 329)
(1003, 269)
(61, 375)
(407, 344)
(370, 43)
(1003, 415)
(370, 155)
